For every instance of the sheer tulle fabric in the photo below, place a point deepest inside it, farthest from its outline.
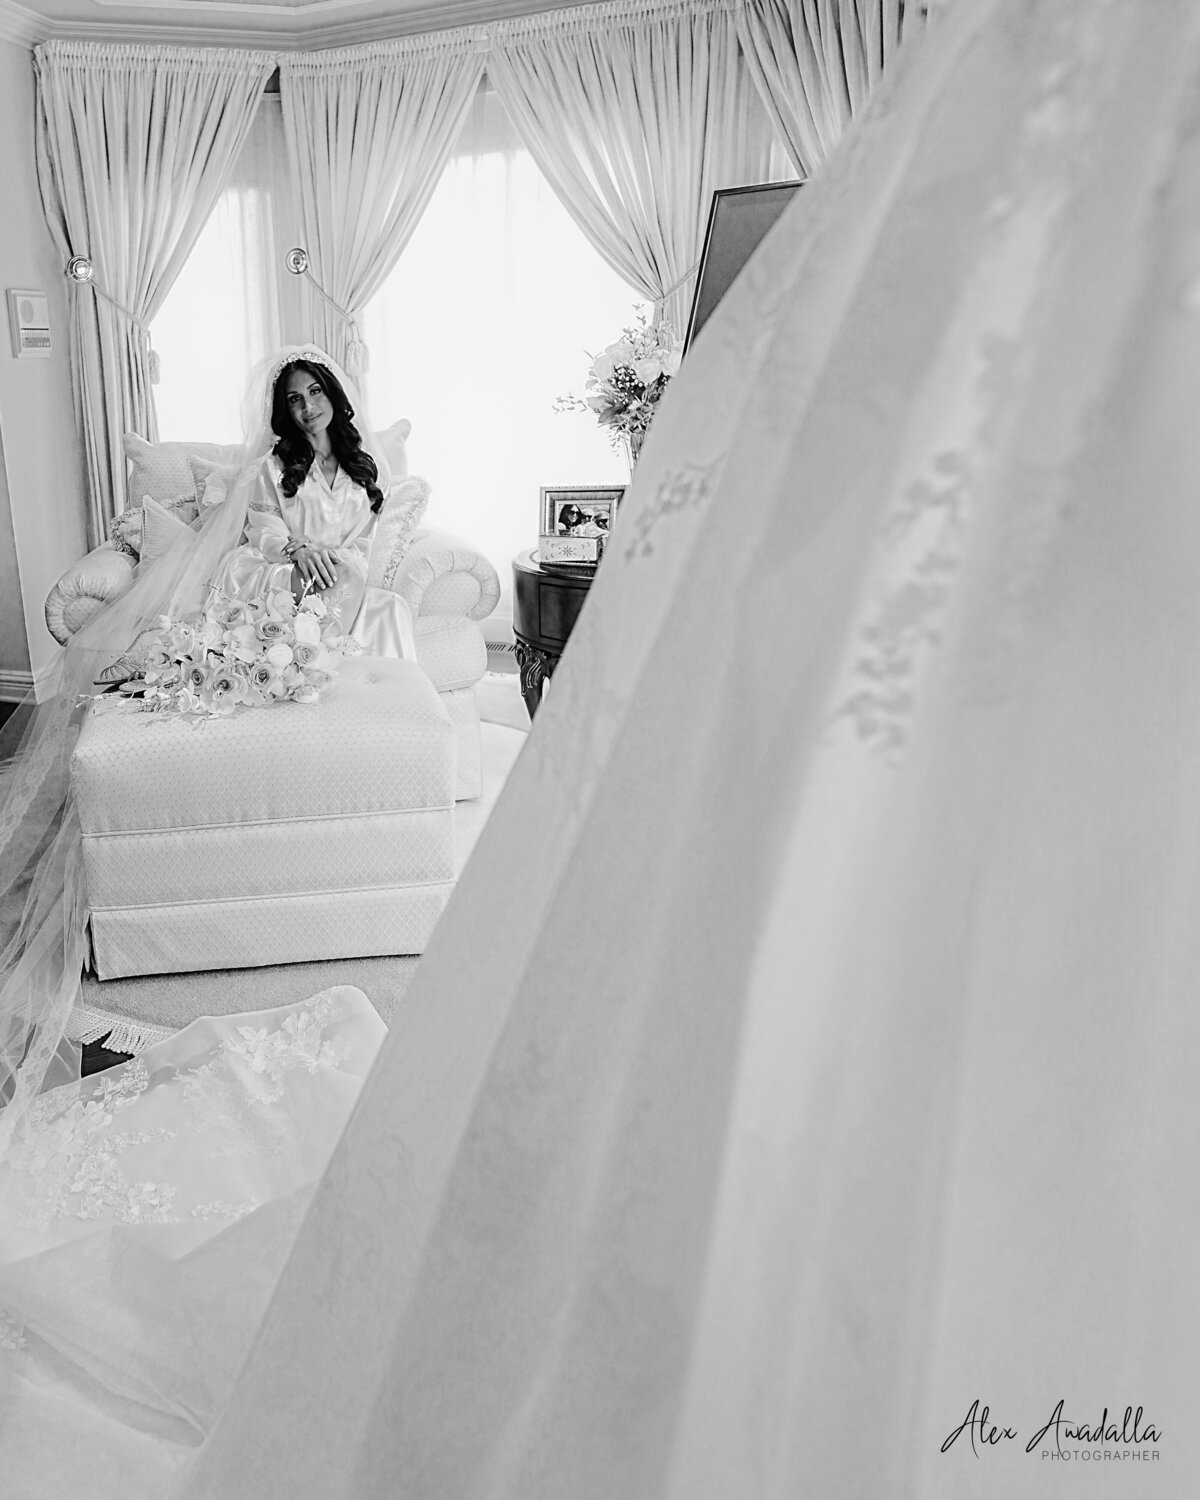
(832, 1069)
(148, 1213)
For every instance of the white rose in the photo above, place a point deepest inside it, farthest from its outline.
(307, 628)
(603, 366)
(279, 655)
(648, 370)
(671, 361)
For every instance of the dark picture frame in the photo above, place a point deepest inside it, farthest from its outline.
(738, 218)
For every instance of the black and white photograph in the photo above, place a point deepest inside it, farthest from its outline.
(678, 985)
(586, 512)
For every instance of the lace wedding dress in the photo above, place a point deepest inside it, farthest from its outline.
(808, 1051)
(129, 1286)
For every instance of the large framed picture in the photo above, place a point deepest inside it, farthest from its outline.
(737, 221)
(577, 522)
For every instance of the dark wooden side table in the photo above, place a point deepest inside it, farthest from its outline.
(546, 604)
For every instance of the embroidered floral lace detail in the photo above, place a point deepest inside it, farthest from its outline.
(298, 1043)
(685, 488)
(11, 1337)
(270, 507)
(69, 1149)
(905, 624)
(69, 1153)
(220, 1208)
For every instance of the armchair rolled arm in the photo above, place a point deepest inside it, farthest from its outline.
(443, 575)
(86, 587)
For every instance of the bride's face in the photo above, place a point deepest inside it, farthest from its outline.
(308, 405)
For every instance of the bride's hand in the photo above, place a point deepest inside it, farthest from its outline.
(316, 566)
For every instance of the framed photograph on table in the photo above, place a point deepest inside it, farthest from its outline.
(576, 523)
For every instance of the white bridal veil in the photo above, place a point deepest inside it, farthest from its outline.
(807, 1052)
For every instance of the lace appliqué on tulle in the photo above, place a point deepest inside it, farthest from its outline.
(298, 1043)
(70, 1154)
(11, 1337)
(685, 488)
(905, 623)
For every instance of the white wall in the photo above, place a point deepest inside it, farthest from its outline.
(40, 450)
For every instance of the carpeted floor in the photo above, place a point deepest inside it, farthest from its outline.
(128, 1014)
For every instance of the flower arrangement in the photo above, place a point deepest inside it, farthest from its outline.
(626, 381)
(239, 653)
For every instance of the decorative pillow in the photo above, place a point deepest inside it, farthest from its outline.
(127, 531)
(161, 529)
(400, 516)
(211, 479)
(161, 470)
(392, 440)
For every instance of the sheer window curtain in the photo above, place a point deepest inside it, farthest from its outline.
(134, 145)
(637, 111)
(493, 310)
(815, 63)
(233, 303)
(369, 130)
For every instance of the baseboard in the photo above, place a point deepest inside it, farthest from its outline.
(17, 684)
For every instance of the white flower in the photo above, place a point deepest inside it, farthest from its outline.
(648, 370)
(280, 655)
(307, 628)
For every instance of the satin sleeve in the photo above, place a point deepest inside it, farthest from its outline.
(266, 529)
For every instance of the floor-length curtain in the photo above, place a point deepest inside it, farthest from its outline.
(134, 145)
(636, 111)
(369, 131)
(815, 63)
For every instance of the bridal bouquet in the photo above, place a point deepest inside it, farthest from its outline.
(626, 381)
(240, 653)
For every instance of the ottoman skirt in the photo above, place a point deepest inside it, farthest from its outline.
(277, 835)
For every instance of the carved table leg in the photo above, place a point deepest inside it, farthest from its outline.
(536, 666)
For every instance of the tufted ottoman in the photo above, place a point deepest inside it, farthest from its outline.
(277, 835)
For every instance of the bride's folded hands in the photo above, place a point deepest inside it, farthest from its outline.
(313, 567)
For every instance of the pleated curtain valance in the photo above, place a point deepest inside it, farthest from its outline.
(134, 145)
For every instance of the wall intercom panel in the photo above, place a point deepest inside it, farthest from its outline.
(29, 323)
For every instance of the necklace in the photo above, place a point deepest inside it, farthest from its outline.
(325, 463)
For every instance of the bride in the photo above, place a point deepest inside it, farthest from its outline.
(862, 1099)
(313, 509)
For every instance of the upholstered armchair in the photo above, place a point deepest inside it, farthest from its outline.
(447, 584)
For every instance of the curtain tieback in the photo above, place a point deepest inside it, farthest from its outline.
(153, 367)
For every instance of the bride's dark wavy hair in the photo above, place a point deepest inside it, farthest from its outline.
(295, 452)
